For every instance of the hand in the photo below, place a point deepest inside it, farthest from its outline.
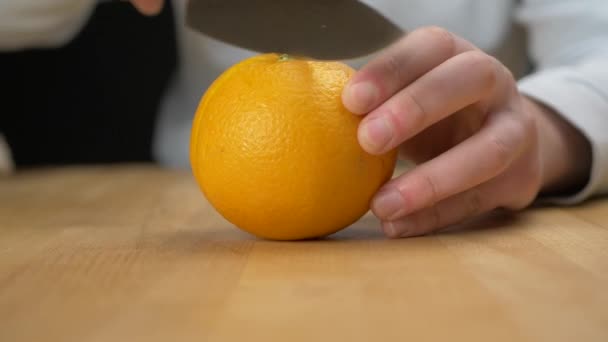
(148, 7)
(477, 142)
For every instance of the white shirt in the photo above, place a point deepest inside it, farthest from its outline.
(568, 44)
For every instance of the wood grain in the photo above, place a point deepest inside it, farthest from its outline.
(134, 253)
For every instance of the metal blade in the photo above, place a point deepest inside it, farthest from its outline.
(321, 29)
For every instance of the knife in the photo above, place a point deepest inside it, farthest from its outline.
(319, 29)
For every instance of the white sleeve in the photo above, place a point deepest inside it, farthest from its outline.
(41, 23)
(569, 47)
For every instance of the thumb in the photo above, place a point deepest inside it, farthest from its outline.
(148, 7)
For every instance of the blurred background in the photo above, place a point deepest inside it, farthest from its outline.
(136, 81)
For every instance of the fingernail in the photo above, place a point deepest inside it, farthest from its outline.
(360, 98)
(375, 134)
(388, 204)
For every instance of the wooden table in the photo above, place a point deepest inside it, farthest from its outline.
(135, 253)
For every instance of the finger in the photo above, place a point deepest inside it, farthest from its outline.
(476, 160)
(461, 81)
(496, 193)
(448, 212)
(399, 65)
(148, 7)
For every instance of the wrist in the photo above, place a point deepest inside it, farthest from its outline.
(564, 152)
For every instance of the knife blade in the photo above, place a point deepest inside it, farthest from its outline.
(320, 29)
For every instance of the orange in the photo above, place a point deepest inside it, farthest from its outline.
(276, 153)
